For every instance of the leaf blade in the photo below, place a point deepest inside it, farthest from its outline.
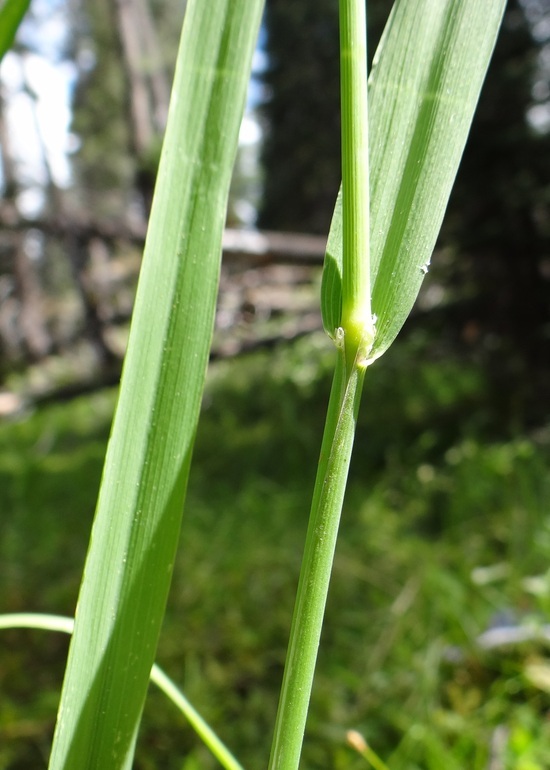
(136, 528)
(11, 16)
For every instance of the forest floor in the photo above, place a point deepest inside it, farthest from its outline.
(435, 643)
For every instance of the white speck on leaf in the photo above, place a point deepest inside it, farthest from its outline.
(339, 337)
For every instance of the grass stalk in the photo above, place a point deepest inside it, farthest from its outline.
(356, 288)
(354, 339)
(314, 580)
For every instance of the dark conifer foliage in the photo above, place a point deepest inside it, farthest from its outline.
(302, 149)
(499, 215)
(301, 154)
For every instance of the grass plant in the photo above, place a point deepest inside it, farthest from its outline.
(422, 106)
(401, 154)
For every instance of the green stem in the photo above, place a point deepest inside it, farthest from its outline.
(354, 340)
(314, 580)
(356, 291)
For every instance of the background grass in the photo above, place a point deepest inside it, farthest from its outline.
(445, 525)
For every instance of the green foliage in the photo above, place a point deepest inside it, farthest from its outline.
(36, 455)
(425, 86)
(448, 494)
(63, 624)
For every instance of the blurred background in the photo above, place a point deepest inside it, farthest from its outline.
(437, 631)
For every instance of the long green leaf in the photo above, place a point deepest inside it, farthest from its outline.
(11, 15)
(135, 533)
(423, 90)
